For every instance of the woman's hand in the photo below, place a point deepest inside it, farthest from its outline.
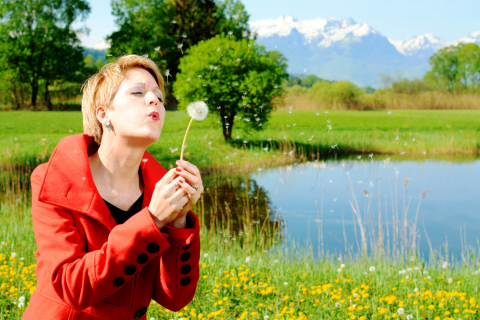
(191, 174)
(169, 198)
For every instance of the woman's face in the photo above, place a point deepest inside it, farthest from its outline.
(137, 112)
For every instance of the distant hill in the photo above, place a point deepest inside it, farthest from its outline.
(95, 53)
(346, 50)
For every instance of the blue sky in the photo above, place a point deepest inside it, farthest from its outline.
(395, 19)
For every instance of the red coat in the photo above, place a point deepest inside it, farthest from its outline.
(88, 267)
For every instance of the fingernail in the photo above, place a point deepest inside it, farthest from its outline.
(179, 161)
(181, 181)
(178, 170)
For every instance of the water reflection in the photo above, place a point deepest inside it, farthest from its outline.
(234, 204)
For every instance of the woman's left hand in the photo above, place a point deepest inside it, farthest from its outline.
(192, 177)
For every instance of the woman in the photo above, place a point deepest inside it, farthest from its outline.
(114, 229)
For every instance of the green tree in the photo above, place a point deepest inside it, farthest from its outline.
(37, 42)
(166, 29)
(445, 68)
(469, 65)
(237, 79)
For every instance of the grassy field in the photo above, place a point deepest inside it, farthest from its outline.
(289, 136)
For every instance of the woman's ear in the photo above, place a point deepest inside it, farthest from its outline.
(101, 113)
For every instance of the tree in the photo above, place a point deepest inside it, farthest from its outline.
(166, 29)
(469, 65)
(237, 78)
(37, 43)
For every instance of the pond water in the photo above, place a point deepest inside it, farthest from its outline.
(449, 212)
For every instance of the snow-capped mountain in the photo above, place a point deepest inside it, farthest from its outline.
(424, 45)
(345, 50)
(474, 37)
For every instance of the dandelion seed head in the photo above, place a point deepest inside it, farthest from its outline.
(180, 45)
(197, 110)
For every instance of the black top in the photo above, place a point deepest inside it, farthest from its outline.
(121, 216)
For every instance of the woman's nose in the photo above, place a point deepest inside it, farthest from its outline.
(152, 99)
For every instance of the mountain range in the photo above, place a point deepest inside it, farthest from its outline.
(345, 50)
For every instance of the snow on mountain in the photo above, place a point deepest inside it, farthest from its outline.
(327, 31)
(474, 37)
(425, 44)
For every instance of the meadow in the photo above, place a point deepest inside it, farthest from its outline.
(253, 270)
(289, 136)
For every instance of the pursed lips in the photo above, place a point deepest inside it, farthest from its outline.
(154, 115)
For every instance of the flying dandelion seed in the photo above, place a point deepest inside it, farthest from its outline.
(167, 74)
(174, 21)
(317, 113)
(188, 79)
(359, 157)
(276, 87)
(389, 112)
(413, 139)
(157, 49)
(179, 46)
(397, 137)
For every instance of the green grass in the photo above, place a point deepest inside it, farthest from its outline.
(436, 132)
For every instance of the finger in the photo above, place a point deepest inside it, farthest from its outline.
(188, 188)
(179, 198)
(167, 178)
(189, 167)
(192, 179)
(172, 187)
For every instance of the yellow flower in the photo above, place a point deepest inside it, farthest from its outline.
(431, 307)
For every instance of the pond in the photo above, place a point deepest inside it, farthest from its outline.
(312, 197)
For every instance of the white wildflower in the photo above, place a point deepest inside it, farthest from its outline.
(400, 311)
(197, 110)
(372, 269)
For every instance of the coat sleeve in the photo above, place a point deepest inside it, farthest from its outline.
(81, 278)
(179, 266)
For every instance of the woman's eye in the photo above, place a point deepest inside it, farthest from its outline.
(159, 99)
(137, 93)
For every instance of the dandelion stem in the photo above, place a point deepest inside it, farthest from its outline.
(185, 139)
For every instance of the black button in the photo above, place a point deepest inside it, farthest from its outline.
(118, 282)
(187, 246)
(185, 281)
(143, 258)
(153, 248)
(185, 269)
(140, 313)
(130, 270)
(185, 256)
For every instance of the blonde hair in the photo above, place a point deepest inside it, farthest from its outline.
(101, 88)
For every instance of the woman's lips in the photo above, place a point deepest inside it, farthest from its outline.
(154, 116)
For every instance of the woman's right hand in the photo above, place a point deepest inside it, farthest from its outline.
(167, 201)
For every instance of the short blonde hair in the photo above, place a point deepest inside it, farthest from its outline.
(101, 88)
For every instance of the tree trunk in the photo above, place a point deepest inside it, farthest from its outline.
(47, 96)
(34, 94)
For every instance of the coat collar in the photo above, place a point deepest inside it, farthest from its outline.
(68, 181)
